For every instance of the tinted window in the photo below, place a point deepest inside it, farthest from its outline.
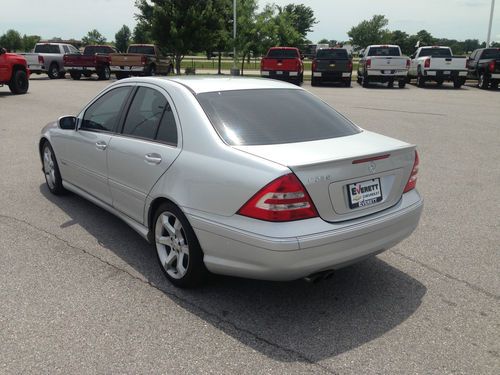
(282, 54)
(491, 54)
(92, 50)
(66, 49)
(332, 54)
(73, 49)
(384, 51)
(435, 52)
(168, 130)
(145, 113)
(47, 48)
(105, 112)
(146, 50)
(272, 116)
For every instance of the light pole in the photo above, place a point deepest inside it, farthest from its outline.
(491, 21)
(234, 71)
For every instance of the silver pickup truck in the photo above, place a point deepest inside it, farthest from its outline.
(48, 58)
(383, 63)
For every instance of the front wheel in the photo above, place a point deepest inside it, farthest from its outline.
(19, 82)
(420, 80)
(51, 170)
(483, 81)
(53, 71)
(178, 250)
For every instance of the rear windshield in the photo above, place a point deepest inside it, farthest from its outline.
(332, 54)
(272, 116)
(435, 52)
(145, 50)
(384, 51)
(92, 50)
(282, 54)
(47, 48)
(491, 54)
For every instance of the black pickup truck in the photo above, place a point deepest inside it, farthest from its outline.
(484, 65)
(331, 65)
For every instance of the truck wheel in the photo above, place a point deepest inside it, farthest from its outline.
(365, 81)
(402, 84)
(104, 73)
(301, 78)
(347, 82)
(19, 82)
(420, 80)
(87, 74)
(439, 82)
(483, 81)
(53, 71)
(314, 81)
(390, 84)
(121, 75)
(457, 83)
(358, 78)
(75, 75)
(151, 70)
(61, 74)
(494, 85)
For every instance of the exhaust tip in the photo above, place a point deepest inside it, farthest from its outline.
(315, 278)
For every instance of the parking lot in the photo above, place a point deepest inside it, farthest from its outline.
(81, 292)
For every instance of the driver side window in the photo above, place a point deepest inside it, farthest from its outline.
(104, 113)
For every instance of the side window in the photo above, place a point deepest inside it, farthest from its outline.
(66, 49)
(73, 49)
(145, 113)
(168, 130)
(104, 113)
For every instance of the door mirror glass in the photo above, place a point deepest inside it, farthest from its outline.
(67, 122)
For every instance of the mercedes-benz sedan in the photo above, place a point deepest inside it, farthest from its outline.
(246, 177)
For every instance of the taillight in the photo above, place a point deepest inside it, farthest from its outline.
(284, 199)
(40, 59)
(412, 181)
(491, 66)
(349, 65)
(408, 64)
(143, 60)
(314, 65)
(427, 63)
(368, 63)
(261, 64)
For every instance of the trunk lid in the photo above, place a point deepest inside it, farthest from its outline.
(332, 65)
(279, 64)
(388, 62)
(126, 59)
(448, 63)
(329, 168)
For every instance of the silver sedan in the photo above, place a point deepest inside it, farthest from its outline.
(245, 177)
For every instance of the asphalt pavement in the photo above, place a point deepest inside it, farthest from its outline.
(80, 292)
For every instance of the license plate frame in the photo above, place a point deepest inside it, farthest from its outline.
(364, 193)
(279, 72)
(447, 72)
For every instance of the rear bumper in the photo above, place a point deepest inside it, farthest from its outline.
(128, 69)
(495, 76)
(281, 75)
(81, 68)
(331, 75)
(445, 74)
(234, 251)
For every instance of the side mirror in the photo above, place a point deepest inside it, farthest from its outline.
(67, 122)
(2, 51)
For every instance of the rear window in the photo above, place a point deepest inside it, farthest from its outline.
(282, 54)
(384, 51)
(332, 54)
(97, 49)
(272, 116)
(47, 48)
(145, 50)
(491, 54)
(435, 52)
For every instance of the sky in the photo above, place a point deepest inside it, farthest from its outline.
(452, 19)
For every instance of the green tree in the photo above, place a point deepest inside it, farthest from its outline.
(425, 38)
(302, 19)
(368, 32)
(11, 40)
(122, 38)
(325, 41)
(142, 33)
(401, 39)
(29, 42)
(93, 37)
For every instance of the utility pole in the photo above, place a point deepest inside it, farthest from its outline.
(488, 40)
(234, 71)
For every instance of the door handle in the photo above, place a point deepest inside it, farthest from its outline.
(101, 145)
(153, 158)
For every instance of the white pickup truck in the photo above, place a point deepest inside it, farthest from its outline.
(48, 58)
(437, 64)
(383, 63)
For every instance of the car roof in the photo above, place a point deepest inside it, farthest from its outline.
(201, 84)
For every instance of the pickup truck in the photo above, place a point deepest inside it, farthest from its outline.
(48, 58)
(140, 60)
(284, 63)
(95, 59)
(14, 72)
(383, 63)
(437, 63)
(484, 65)
(331, 64)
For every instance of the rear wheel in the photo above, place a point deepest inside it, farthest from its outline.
(121, 75)
(178, 250)
(358, 78)
(494, 85)
(104, 73)
(19, 82)
(439, 82)
(53, 71)
(483, 81)
(402, 84)
(420, 80)
(314, 81)
(390, 84)
(151, 70)
(457, 83)
(347, 82)
(51, 170)
(75, 75)
(365, 81)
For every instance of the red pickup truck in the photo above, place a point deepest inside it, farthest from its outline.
(14, 72)
(95, 59)
(284, 63)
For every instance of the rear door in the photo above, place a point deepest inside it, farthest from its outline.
(148, 144)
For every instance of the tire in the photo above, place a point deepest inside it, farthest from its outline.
(176, 241)
(347, 82)
(364, 82)
(314, 81)
(104, 73)
(483, 81)
(61, 74)
(390, 84)
(494, 85)
(402, 84)
(87, 74)
(439, 82)
(457, 83)
(301, 77)
(53, 72)
(358, 78)
(121, 75)
(51, 170)
(75, 75)
(151, 70)
(420, 80)
(19, 82)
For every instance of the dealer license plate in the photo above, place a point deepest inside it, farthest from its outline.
(386, 71)
(365, 193)
(446, 72)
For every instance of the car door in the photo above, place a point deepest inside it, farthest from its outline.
(147, 146)
(85, 152)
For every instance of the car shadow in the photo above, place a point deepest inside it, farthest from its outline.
(286, 321)
(381, 86)
(445, 86)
